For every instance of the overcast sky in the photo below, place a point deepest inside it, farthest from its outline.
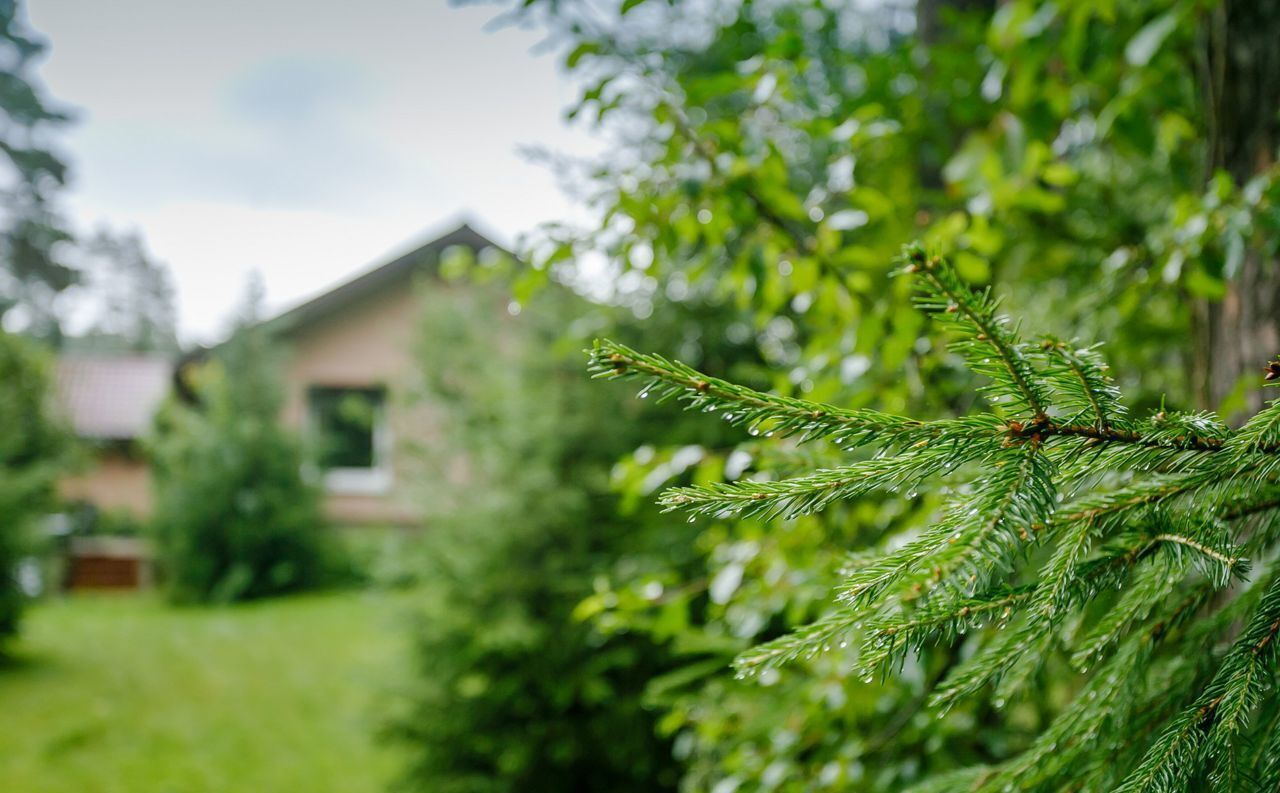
(307, 139)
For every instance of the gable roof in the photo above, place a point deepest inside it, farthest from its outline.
(111, 397)
(380, 278)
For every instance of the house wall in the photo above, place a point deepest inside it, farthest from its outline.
(369, 343)
(114, 481)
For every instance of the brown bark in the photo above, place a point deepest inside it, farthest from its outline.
(1240, 88)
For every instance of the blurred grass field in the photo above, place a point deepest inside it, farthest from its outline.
(124, 694)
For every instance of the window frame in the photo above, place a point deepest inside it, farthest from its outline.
(376, 479)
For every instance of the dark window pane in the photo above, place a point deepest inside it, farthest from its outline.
(345, 421)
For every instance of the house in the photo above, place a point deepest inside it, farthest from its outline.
(348, 371)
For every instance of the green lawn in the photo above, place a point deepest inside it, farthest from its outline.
(123, 694)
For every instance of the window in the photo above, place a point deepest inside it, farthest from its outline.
(352, 442)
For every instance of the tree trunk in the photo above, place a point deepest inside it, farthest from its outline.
(1240, 88)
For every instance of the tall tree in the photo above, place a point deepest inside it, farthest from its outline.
(34, 449)
(32, 235)
(129, 293)
(1240, 89)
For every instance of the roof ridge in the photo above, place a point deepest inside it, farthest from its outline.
(372, 279)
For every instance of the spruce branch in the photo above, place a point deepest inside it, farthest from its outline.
(1142, 493)
(1180, 432)
(1254, 505)
(1253, 447)
(1080, 726)
(1197, 533)
(1009, 506)
(1052, 498)
(1079, 376)
(1149, 585)
(759, 412)
(983, 336)
(1208, 728)
(997, 659)
(990, 664)
(979, 536)
(866, 583)
(1073, 540)
(889, 637)
(1267, 756)
(1227, 562)
(830, 631)
(803, 495)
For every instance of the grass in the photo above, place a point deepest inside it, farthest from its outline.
(124, 694)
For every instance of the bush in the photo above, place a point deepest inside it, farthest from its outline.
(234, 517)
(33, 448)
(88, 520)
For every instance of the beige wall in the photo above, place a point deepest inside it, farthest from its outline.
(114, 481)
(369, 343)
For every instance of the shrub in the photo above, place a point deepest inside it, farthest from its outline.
(87, 520)
(234, 518)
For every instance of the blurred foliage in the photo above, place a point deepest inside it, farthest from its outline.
(88, 520)
(234, 517)
(32, 270)
(776, 156)
(381, 557)
(34, 450)
(515, 690)
(786, 150)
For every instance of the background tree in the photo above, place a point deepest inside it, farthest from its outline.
(128, 294)
(234, 518)
(34, 448)
(31, 233)
(1239, 72)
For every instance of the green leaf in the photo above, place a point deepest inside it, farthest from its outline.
(581, 51)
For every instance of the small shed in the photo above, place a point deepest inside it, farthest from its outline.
(108, 563)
